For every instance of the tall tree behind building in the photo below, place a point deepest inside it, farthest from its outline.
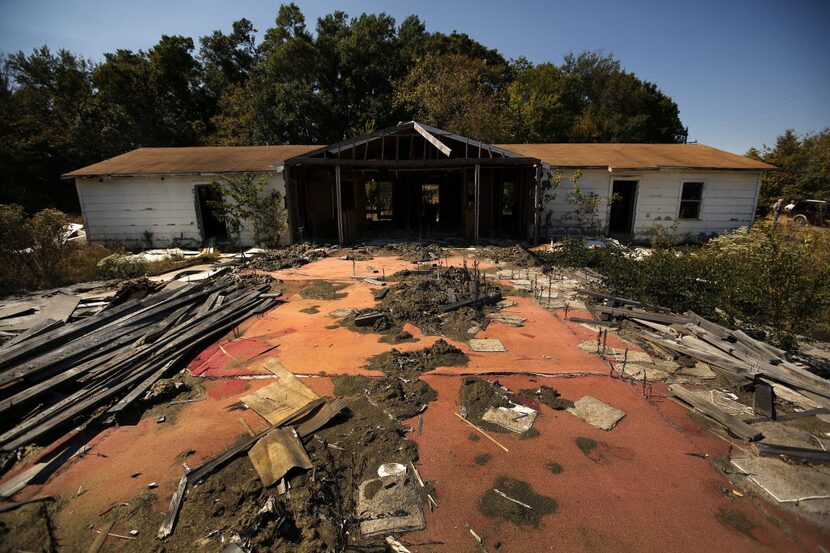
(804, 167)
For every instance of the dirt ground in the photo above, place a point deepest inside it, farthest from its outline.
(568, 486)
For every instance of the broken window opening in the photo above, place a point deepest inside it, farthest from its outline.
(691, 199)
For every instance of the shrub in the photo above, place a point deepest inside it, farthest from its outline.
(80, 264)
(46, 231)
(14, 267)
(763, 276)
(245, 202)
(31, 250)
(123, 266)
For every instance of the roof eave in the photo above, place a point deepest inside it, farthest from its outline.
(666, 168)
(273, 171)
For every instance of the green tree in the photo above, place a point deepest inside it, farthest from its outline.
(158, 95)
(52, 122)
(359, 61)
(537, 101)
(279, 102)
(590, 98)
(457, 93)
(228, 59)
(804, 167)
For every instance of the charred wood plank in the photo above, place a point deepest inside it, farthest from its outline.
(640, 314)
(616, 299)
(368, 319)
(733, 424)
(774, 450)
(488, 299)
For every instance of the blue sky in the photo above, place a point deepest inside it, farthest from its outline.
(741, 71)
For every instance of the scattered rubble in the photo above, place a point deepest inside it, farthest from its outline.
(114, 357)
(446, 302)
(596, 413)
(401, 393)
(340, 474)
(322, 290)
(286, 257)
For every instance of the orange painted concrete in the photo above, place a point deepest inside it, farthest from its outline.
(645, 495)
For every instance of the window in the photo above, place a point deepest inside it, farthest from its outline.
(690, 200)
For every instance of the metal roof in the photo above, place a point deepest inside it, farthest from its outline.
(643, 157)
(265, 159)
(193, 161)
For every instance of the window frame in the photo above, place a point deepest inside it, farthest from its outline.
(699, 202)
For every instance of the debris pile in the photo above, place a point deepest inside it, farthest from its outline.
(401, 393)
(445, 301)
(744, 362)
(514, 255)
(411, 251)
(328, 474)
(547, 396)
(493, 407)
(114, 357)
(296, 255)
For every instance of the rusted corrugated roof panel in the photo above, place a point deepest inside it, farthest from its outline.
(638, 156)
(193, 160)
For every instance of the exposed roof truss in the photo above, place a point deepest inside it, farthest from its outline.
(407, 143)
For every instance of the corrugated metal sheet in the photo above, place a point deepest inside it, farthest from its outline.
(637, 156)
(195, 160)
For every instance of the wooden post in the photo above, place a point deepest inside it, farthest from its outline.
(477, 200)
(537, 193)
(290, 200)
(337, 193)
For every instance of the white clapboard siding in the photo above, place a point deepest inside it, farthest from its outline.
(558, 214)
(729, 201)
(122, 209)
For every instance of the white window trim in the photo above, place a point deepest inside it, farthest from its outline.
(680, 200)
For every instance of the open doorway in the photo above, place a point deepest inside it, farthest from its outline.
(430, 202)
(212, 228)
(379, 197)
(624, 198)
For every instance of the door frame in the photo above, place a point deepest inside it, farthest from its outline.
(199, 215)
(612, 180)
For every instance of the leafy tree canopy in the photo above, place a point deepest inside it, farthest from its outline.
(804, 167)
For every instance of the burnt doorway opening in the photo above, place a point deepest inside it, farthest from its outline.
(212, 227)
(623, 200)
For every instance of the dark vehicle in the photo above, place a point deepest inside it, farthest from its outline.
(811, 212)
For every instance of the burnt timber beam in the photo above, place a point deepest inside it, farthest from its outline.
(338, 193)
